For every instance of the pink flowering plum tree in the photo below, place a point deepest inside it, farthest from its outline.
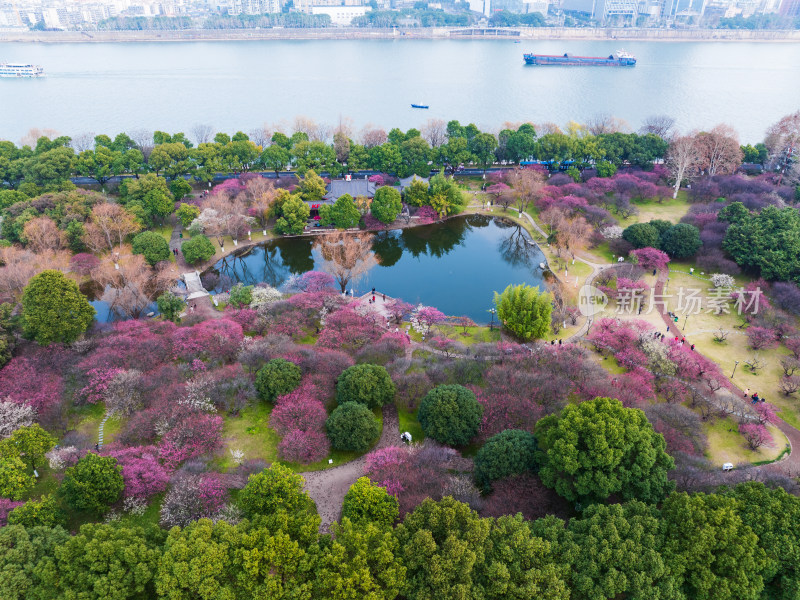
(347, 330)
(304, 447)
(756, 435)
(192, 434)
(143, 474)
(212, 340)
(650, 258)
(761, 338)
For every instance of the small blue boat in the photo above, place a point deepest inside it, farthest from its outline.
(420, 106)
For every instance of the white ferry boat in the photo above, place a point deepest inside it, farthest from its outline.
(20, 70)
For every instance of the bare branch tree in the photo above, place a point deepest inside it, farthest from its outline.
(435, 132)
(660, 125)
(202, 133)
(720, 150)
(83, 141)
(684, 157)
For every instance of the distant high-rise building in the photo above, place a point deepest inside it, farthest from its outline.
(487, 8)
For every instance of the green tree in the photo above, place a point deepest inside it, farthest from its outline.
(510, 452)
(312, 187)
(352, 426)
(774, 516)
(442, 545)
(170, 306)
(524, 311)
(605, 169)
(519, 565)
(110, 562)
(482, 147)
(278, 377)
(416, 194)
(7, 338)
(93, 484)
(444, 195)
(51, 169)
(386, 205)
(275, 158)
(342, 214)
(366, 502)
(241, 295)
(152, 193)
(294, 216)
(275, 489)
(450, 414)
(30, 444)
(681, 241)
(268, 558)
(45, 512)
(197, 250)
(768, 241)
(27, 562)
(367, 384)
(152, 246)
(360, 561)
(712, 554)
(619, 554)
(14, 478)
(599, 448)
(54, 310)
(180, 188)
(187, 213)
(641, 235)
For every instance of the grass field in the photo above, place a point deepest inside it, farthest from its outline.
(726, 445)
(409, 423)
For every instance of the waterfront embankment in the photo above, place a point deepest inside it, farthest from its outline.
(348, 33)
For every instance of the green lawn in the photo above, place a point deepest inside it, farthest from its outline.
(250, 433)
(726, 445)
(409, 423)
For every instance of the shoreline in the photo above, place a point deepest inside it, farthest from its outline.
(430, 33)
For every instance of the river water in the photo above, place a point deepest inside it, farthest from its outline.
(455, 266)
(107, 88)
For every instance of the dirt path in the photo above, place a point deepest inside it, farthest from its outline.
(327, 488)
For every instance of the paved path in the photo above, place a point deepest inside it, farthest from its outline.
(175, 242)
(327, 488)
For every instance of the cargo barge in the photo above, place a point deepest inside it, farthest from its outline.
(620, 58)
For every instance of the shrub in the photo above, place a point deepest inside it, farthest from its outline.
(276, 378)
(197, 250)
(721, 280)
(240, 295)
(510, 452)
(170, 306)
(524, 311)
(276, 488)
(366, 502)
(352, 426)
(93, 484)
(14, 479)
(450, 414)
(641, 235)
(152, 246)
(366, 384)
(44, 512)
(681, 241)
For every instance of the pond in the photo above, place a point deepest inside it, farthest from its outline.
(456, 265)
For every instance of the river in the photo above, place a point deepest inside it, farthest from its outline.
(112, 87)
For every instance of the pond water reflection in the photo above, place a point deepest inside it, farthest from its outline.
(455, 266)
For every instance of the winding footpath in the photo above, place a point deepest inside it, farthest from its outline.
(327, 488)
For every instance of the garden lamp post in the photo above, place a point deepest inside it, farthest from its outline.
(684, 321)
(736, 364)
(491, 324)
